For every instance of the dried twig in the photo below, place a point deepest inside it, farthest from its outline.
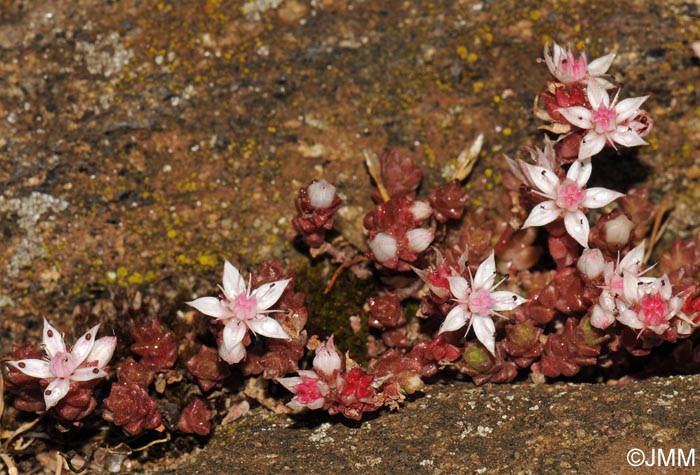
(375, 172)
(340, 269)
(2, 398)
(11, 467)
(20, 430)
(662, 219)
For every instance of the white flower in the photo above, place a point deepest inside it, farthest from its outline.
(476, 303)
(567, 198)
(85, 361)
(569, 70)
(606, 122)
(241, 310)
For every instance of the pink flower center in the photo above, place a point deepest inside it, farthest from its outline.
(62, 365)
(573, 69)
(604, 119)
(307, 391)
(570, 196)
(654, 310)
(244, 307)
(480, 302)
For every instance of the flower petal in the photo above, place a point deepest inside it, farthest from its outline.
(269, 327)
(33, 367)
(234, 331)
(597, 97)
(455, 320)
(84, 345)
(52, 340)
(102, 351)
(87, 373)
(631, 319)
(627, 137)
(600, 65)
(504, 300)
(591, 144)
(633, 259)
(232, 350)
(543, 213)
(483, 279)
(290, 383)
(544, 180)
(577, 226)
(266, 295)
(55, 391)
(210, 306)
(599, 197)
(485, 331)
(233, 282)
(630, 288)
(578, 116)
(459, 287)
(515, 169)
(600, 318)
(628, 108)
(579, 172)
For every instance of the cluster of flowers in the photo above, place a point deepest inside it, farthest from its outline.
(595, 305)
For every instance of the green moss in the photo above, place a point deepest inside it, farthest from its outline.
(330, 313)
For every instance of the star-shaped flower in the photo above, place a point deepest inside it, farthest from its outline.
(566, 198)
(84, 362)
(606, 122)
(649, 303)
(241, 310)
(569, 70)
(477, 302)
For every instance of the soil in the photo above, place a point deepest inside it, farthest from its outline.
(143, 143)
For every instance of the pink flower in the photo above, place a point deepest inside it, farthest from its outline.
(241, 310)
(566, 198)
(648, 304)
(311, 386)
(84, 362)
(606, 122)
(332, 387)
(569, 70)
(477, 302)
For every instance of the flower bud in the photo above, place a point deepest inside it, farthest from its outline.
(617, 231)
(321, 194)
(421, 210)
(327, 361)
(601, 318)
(591, 263)
(419, 239)
(384, 247)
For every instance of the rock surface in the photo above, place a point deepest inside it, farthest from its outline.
(457, 428)
(143, 143)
